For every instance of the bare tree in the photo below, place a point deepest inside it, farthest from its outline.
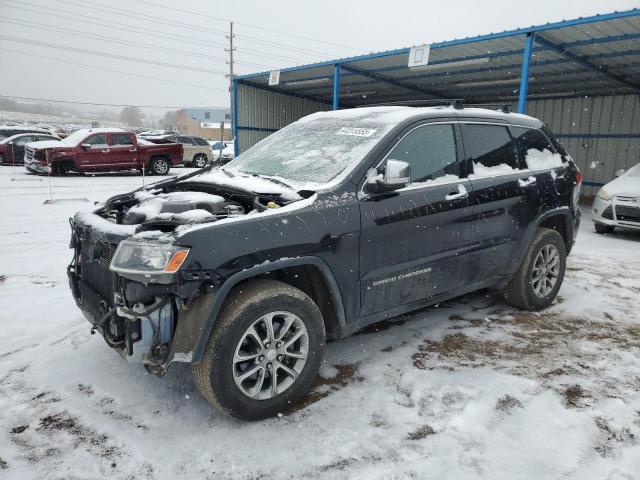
(131, 116)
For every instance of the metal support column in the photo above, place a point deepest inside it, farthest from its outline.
(336, 86)
(524, 75)
(234, 118)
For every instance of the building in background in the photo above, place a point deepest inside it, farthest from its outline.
(204, 122)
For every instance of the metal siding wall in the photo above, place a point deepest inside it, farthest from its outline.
(258, 108)
(618, 114)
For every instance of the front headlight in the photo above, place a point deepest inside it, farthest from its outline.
(602, 194)
(148, 258)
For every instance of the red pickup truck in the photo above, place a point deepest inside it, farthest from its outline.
(100, 150)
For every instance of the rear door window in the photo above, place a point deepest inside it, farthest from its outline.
(535, 149)
(489, 148)
(430, 150)
(122, 139)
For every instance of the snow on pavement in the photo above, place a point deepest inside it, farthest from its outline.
(469, 389)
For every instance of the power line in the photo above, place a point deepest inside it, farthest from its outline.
(136, 29)
(176, 82)
(80, 33)
(107, 55)
(190, 27)
(191, 12)
(97, 104)
(85, 19)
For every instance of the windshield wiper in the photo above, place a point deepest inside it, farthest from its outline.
(227, 173)
(273, 180)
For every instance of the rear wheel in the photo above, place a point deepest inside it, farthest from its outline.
(200, 160)
(159, 166)
(537, 281)
(603, 227)
(264, 352)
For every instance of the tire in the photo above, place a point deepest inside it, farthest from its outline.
(59, 168)
(216, 376)
(535, 292)
(159, 166)
(200, 160)
(603, 227)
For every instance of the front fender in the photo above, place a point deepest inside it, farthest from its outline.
(195, 325)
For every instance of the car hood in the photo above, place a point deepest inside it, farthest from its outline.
(627, 184)
(47, 144)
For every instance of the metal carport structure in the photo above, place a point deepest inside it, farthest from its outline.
(580, 76)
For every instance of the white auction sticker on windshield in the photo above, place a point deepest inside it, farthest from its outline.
(356, 132)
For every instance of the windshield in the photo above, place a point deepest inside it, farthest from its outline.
(633, 171)
(75, 138)
(313, 150)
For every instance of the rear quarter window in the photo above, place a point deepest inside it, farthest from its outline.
(535, 150)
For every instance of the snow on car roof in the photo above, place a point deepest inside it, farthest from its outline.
(398, 114)
(24, 127)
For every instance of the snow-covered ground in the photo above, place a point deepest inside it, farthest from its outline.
(469, 389)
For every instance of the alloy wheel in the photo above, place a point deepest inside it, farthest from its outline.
(270, 355)
(546, 270)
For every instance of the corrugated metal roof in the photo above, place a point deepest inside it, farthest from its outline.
(597, 55)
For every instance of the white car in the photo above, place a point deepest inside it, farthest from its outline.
(617, 204)
(227, 151)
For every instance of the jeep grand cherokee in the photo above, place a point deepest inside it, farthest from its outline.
(336, 221)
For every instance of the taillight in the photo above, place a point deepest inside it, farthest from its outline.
(578, 176)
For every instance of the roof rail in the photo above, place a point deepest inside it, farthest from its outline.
(457, 103)
(434, 102)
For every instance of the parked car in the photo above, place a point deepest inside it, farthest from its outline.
(100, 150)
(227, 152)
(337, 221)
(12, 148)
(196, 151)
(11, 130)
(617, 204)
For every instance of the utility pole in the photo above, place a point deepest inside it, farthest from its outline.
(230, 62)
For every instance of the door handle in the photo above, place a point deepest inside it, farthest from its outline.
(526, 182)
(133, 149)
(105, 150)
(462, 193)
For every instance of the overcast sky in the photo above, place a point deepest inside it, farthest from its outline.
(32, 69)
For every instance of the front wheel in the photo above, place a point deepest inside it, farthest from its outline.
(538, 280)
(200, 161)
(159, 166)
(603, 227)
(264, 352)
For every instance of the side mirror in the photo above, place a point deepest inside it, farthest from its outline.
(86, 146)
(397, 175)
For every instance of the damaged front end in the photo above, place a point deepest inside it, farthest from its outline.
(135, 284)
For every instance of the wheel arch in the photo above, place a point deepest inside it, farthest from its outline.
(558, 219)
(309, 274)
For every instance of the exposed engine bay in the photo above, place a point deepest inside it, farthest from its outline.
(122, 276)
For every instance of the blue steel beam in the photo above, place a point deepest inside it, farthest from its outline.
(524, 73)
(336, 86)
(390, 81)
(492, 68)
(235, 118)
(583, 62)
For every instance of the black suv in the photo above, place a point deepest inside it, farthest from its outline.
(334, 222)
